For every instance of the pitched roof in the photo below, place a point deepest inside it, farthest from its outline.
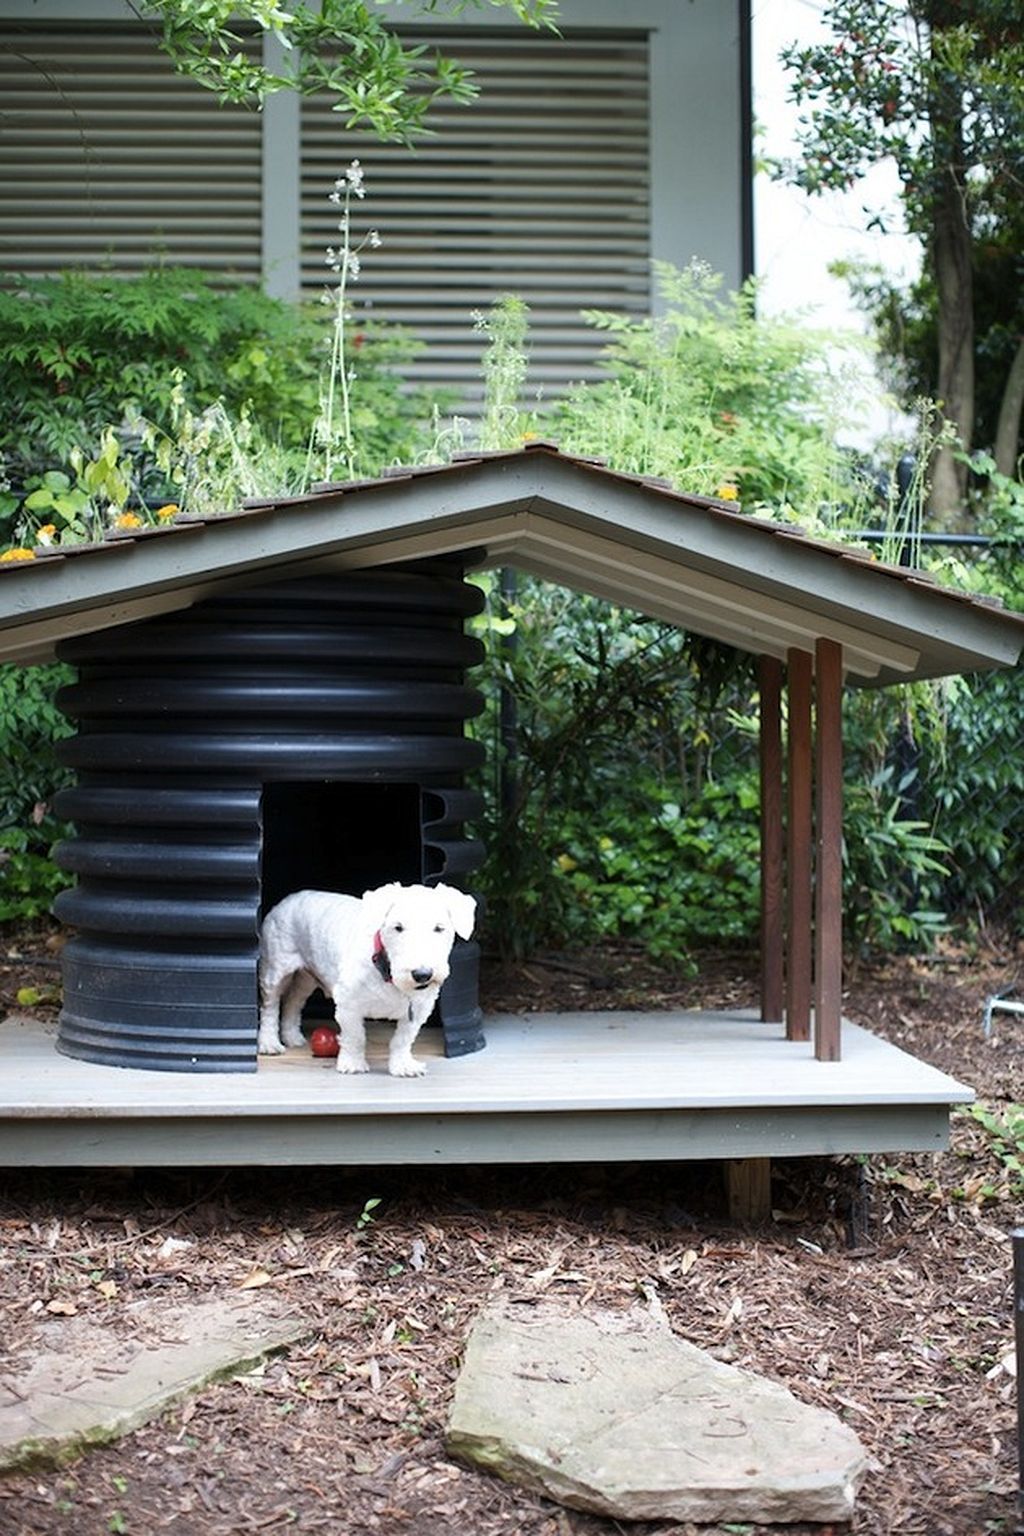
(692, 560)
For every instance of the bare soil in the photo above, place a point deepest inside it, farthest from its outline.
(880, 1289)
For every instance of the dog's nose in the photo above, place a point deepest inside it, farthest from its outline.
(422, 975)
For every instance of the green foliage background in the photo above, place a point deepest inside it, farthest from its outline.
(627, 809)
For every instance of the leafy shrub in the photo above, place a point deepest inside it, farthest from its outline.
(612, 714)
(75, 349)
(30, 725)
(893, 868)
(29, 879)
(671, 877)
(974, 792)
(1005, 1131)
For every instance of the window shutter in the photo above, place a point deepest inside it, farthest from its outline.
(111, 159)
(540, 188)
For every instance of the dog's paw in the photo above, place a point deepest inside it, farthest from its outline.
(406, 1066)
(270, 1045)
(292, 1038)
(353, 1063)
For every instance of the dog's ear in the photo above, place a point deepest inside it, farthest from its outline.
(377, 903)
(461, 909)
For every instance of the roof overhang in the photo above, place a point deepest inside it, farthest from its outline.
(696, 563)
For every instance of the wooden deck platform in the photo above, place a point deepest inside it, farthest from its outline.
(548, 1088)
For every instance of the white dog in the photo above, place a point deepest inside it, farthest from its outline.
(382, 957)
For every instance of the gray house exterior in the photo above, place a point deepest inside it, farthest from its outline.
(624, 140)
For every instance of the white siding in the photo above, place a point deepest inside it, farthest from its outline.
(540, 188)
(110, 158)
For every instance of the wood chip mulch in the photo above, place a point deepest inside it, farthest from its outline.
(880, 1289)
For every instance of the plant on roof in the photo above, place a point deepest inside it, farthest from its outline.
(720, 401)
(333, 443)
(77, 350)
(83, 354)
(505, 327)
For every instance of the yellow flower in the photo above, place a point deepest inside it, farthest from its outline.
(566, 863)
(46, 534)
(18, 554)
(528, 437)
(164, 514)
(127, 520)
(727, 493)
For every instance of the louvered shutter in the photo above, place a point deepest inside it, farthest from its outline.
(540, 188)
(111, 159)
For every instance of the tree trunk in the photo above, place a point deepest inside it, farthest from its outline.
(1010, 411)
(951, 246)
(953, 279)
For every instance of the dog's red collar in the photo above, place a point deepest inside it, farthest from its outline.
(380, 957)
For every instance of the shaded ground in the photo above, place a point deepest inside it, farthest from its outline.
(881, 1291)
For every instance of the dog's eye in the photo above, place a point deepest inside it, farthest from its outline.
(439, 927)
(399, 927)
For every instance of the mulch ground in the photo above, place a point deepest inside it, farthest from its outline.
(880, 1289)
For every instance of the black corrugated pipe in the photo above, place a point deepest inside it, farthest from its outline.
(303, 734)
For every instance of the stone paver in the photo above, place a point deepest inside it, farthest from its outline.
(87, 1386)
(613, 1413)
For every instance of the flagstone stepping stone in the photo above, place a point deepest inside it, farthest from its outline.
(613, 1413)
(88, 1385)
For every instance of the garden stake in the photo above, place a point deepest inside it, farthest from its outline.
(1018, 1323)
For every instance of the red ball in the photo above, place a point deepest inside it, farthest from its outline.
(323, 1041)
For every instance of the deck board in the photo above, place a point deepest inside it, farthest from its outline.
(547, 1087)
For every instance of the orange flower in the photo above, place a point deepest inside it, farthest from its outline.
(127, 520)
(46, 534)
(17, 554)
(164, 514)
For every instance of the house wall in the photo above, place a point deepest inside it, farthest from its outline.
(588, 155)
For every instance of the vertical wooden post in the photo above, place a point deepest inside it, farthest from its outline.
(798, 847)
(748, 1188)
(769, 681)
(828, 898)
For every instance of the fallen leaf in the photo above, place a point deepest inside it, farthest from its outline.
(734, 1313)
(61, 1308)
(688, 1260)
(172, 1245)
(107, 1289)
(254, 1279)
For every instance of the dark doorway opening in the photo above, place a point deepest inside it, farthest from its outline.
(338, 836)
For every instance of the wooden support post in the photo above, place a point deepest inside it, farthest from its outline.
(769, 680)
(798, 848)
(748, 1188)
(828, 896)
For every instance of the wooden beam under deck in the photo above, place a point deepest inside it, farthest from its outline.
(581, 1087)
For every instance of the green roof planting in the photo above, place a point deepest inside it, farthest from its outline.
(699, 563)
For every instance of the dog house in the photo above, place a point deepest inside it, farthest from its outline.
(301, 734)
(268, 697)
